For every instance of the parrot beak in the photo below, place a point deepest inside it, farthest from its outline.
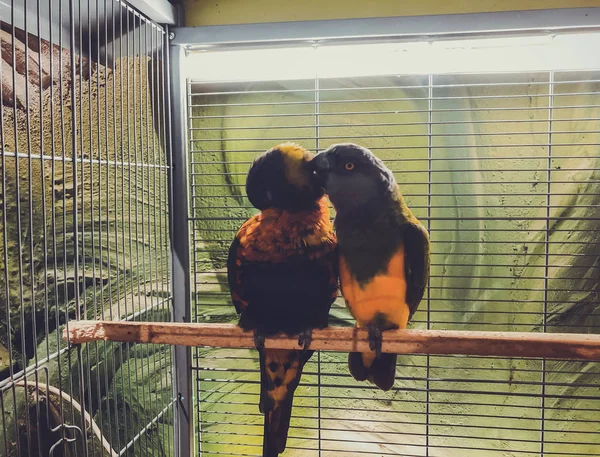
(321, 168)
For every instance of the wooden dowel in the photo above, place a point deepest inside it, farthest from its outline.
(346, 339)
(35, 386)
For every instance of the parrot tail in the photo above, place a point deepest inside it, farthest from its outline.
(381, 371)
(280, 372)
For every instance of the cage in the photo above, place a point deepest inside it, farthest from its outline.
(125, 145)
(85, 228)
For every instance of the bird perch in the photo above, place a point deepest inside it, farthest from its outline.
(346, 339)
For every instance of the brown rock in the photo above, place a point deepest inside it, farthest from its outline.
(22, 55)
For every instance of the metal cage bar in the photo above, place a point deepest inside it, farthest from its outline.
(181, 250)
(421, 27)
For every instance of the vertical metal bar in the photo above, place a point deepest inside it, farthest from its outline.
(99, 308)
(135, 167)
(150, 227)
(194, 230)
(129, 198)
(91, 198)
(145, 203)
(107, 183)
(76, 212)
(19, 226)
(83, 381)
(33, 338)
(43, 184)
(64, 161)
(121, 146)
(159, 208)
(107, 344)
(429, 185)
(5, 259)
(156, 222)
(317, 98)
(123, 131)
(30, 190)
(81, 148)
(137, 121)
(103, 135)
(146, 159)
(54, 223)
(164, 107)
(136, 171)
(180, 248)
(116, 232)
(109, 283)
(547, 255)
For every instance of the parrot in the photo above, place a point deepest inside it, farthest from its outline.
(383, 252)
(282, 272)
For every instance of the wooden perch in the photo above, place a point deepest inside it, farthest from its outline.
(36, 386)
(346, 339)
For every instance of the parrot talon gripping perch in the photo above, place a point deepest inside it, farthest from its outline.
(259, 340)
(375, 339)
(305, 339)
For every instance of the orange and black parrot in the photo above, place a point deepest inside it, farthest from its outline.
(283, 275)
(383, 251)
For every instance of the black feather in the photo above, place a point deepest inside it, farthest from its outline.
(287, 297)
(232, 270)
(356, 366)
(416, 255)
(382, 371)
(276, 427)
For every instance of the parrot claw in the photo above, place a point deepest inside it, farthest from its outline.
(305, 338)
(259, 340)
(375, 340)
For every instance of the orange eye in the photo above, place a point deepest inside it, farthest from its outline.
(349, 166)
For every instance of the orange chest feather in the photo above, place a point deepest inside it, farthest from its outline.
(275, 235)
(384, 294)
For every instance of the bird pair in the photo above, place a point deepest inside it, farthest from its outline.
(286, 263)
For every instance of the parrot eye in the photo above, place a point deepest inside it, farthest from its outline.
(349, 166)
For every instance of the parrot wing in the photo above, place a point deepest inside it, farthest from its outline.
(416, 263)
(278, 284)
(233, 275)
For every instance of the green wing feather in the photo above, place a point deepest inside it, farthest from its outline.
(416, 263)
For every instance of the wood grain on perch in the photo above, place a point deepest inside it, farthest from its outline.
(346, 339)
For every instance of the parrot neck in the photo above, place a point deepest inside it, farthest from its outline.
(312, 228)
(373, 209)
(368, 236)
(317, 213)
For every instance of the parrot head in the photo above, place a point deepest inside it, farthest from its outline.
(283, 178)
(352, 176)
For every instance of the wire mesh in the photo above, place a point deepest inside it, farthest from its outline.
(503, 169)
(84, 229)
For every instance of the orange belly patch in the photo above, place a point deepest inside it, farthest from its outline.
(383, 294)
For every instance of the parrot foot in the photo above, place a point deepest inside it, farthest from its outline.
(305, 338)
(259, 340)
(375, 339)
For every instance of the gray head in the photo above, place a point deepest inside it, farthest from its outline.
(353, 177)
